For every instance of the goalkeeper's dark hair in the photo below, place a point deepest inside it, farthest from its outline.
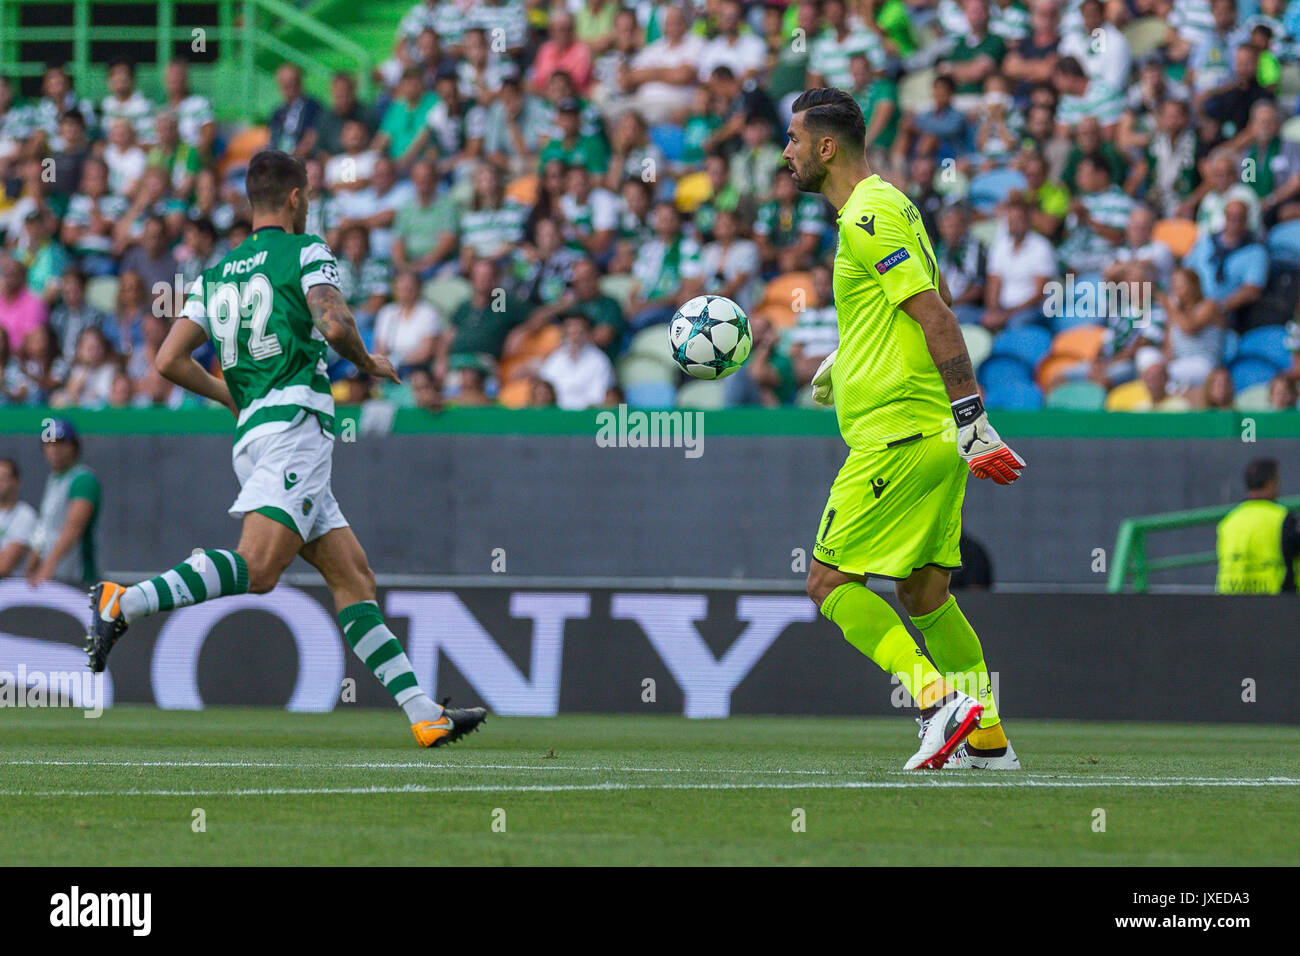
(272, 175)
(834, 113)
(1260, 472)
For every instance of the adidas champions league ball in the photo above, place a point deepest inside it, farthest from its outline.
(709, 337)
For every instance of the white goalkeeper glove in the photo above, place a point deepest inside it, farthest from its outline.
(823, 392)
(978, 443)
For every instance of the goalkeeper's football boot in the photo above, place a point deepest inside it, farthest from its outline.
(454, 724)
(107, 623)
(967, 757)
(944, 730)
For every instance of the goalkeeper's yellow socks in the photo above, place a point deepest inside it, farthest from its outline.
(367, 634)
(201, 577)
(955, 650)
(872, 626)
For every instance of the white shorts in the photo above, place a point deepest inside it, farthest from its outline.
(288, 473)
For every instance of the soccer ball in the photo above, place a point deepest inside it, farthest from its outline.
(709, 337)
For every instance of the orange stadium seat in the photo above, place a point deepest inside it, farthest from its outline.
(517, 393)
(523, 190)
(1070, 347)
(1178, 234)
(785, 291)
(242, 147)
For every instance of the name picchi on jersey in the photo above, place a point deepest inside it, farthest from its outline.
(243, 266)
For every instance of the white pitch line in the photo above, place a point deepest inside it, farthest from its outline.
(612, 786)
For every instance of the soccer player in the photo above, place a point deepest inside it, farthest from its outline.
(903, 390)
(271, 307)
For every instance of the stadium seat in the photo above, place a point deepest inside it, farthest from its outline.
(1130, 397)
(708, 396)
(670, 139)
(999, 370)
(781, 316)
(541, 343)
(650, 395)
(1252, 399)
(1178, 234)
(242, 146)
(791, 290)
(1014, 396)
(1077, 396)
(651, 343)
(523, 190)
(641, 370)
(1291, 129)
(988, 189)
(1146, 35)
(618, 287)
(1284, 241)
(446, 294)
(101, 294)
(693, 190)
(915, 91)
(979, 343)
(1288, 82)
(1248, 370)
(1267, 342)
(1029, 343)
(1052, 369)
(984, 231)
(517, 393)
(1231, 339)
(1082, 342)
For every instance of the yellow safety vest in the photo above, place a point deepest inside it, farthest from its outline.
(1250, 549)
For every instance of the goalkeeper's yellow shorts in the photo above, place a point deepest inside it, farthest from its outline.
(895, 509)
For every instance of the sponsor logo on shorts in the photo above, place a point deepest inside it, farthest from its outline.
(290, 479)
(891, 260)
(822, 549)
(306, 506)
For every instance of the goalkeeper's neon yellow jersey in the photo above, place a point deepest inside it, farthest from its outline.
(886, 385)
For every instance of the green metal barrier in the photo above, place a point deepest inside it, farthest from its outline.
(1131, 559)
(246, 35)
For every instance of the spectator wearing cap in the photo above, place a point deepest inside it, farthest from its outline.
(63, 545)
(661, 77)
(21, 310)
(1232, 266)
(580, 373)
(1020, 264)
(294, 124)
(571, 146)
(562, 51)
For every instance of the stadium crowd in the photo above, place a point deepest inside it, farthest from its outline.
(1112, 189)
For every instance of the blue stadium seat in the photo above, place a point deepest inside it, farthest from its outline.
(1284, 241)
(1231, 339)
(999, 370)
(651, 395)
(1248, 371)
(1014, 396)
(671, 139)
(989, 189)
(1268, 342)
(1029, 343)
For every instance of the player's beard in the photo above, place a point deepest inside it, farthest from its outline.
(811, 177)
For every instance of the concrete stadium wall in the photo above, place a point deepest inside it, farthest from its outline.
(700, 653)
(562, 505)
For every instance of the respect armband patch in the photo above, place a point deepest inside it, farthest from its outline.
(891, 260)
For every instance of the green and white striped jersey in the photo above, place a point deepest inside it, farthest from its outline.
(253, 306)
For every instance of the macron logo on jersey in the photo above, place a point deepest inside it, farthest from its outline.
(891, 260)
(241, 266)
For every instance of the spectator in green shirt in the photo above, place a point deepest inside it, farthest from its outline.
(585, 298)
(405, 118)
(572, 146)
(974, 58)
(480, 324)
(877, 96)
(424, 232)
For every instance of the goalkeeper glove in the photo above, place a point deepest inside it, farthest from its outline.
(985, 453)
(823, 392)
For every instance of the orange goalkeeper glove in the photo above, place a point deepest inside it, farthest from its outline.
(978, 443)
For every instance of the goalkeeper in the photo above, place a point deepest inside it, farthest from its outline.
(905, 395)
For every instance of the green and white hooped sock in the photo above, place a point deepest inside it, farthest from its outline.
(200, 577)
(364, 629)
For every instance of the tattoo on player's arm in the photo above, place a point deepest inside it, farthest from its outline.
(957, 373)
(332, 317)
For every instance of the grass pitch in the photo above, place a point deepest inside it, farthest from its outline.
(351, 788)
